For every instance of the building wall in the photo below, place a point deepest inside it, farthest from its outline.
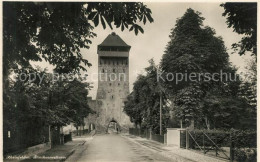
(113, 88)
(92, 118)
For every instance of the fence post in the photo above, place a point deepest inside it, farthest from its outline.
(150, 132)
(50, 136)
(165, 139)
(216, 149)
(231, 152)
(70, 136)
(203, 144)
(187, 139)
(181, 139)
(231, 148)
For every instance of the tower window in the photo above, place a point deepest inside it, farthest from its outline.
(123, 70)
(110, 84)
(112, 97)
(103, 70)
(114, 70)
(118, 84)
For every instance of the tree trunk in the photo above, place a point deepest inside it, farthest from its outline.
(50, 138)
(135, 125)
(80, 130)
(139, 125)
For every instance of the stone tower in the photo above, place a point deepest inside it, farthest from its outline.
(113, 81)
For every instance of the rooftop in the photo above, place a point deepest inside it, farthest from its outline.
(113, 40)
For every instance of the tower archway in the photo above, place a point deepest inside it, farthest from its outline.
(113, 127)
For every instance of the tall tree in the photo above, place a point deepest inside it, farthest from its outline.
(192, 50)
(249, 87)
(143, 104)
(133, 107)
(242, 17)
(248, 91)
(34, 105)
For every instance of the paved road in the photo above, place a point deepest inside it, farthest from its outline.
(113, 147)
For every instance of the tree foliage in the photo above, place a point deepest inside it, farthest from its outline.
(242, 17)
(207, 100)
(249, 86)
(54, 103)
(248, 92)
(143, 104)
(56, 32)
(193, 48)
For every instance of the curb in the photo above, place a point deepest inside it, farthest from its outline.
(73, 150)
(172, 156)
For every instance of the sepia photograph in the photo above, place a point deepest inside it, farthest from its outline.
(122, 81)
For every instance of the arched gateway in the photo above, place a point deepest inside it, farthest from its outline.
(113, 127)
(113, 82)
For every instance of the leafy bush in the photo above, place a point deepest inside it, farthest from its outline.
(245, 154)
(244, 145)
(244, 138)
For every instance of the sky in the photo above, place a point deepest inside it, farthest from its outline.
(152, 43)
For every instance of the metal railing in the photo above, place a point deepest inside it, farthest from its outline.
(212, 142)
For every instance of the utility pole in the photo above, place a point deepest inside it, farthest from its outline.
(161, 113)
(161, 92)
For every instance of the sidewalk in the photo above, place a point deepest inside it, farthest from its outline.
(57, 153)
(175, 153)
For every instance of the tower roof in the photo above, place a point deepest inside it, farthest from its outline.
(113, 40)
